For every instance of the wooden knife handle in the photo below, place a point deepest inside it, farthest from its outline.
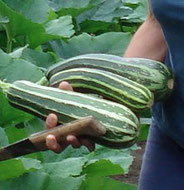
(88, 126)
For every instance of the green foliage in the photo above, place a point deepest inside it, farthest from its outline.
(13, 69)
(36, 34)
(9, 115)
(105, 183)
(4, 138)
(110, 42)
(16, 167)
(36, 11)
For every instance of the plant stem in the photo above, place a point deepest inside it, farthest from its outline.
(9, 39)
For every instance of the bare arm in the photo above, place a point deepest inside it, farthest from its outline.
(148, 41)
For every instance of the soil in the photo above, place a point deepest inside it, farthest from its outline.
(133, 175)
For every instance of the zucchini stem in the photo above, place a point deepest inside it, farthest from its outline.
(4, 86)
(170, 84)
(43, 81)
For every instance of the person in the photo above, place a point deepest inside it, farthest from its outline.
(159, 38)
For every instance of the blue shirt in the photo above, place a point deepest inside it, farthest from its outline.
(169, 116)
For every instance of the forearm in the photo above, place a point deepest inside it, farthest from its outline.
(148, 42)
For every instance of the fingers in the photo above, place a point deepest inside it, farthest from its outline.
(87, 143)
(65, 86)
(52, 144)
(73, 141)
(51, 121)
(76, 143)
(51, 141)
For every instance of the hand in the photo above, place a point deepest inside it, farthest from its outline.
(51, 141)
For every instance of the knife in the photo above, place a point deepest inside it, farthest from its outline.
(88, 126)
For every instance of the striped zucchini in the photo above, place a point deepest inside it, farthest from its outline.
(121, 123)
(109, 85)
(152, 74)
